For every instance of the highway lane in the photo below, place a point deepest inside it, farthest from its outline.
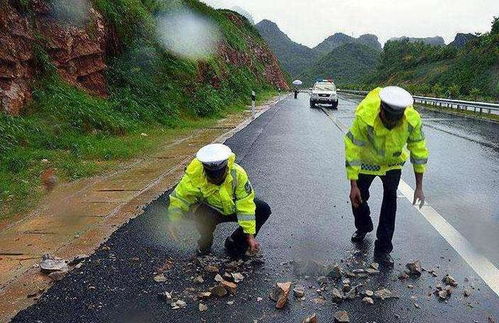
(294, 156)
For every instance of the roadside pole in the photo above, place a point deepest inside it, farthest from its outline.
(253, 104)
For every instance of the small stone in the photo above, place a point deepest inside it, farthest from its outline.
(375, 266)
(403, 275)
(218, 291)
(346, 288)
(346, 281)
(368, 300)
(211, 269)
(334, 272)
(466, 293)
(51, 264)
(237, 277)
(310, 319)
(443, 295)
(383, 293)
(229, 286)
(198, 280)
(230, 303)
(218, 278)
(165, 296)
(204, 294)
(414, 268)
(322, 279)
(410, 286)
(159, 278)
(228, 277)
(372, 271)
(341, 317)
(337, 296)
(203, 307)
(178, 304)
(449, 280)
(416, 305)
(283, 298)
(259, 299)
(369, 293)
(350, 274)
(319, 300)
(358, 271)
(299, 291)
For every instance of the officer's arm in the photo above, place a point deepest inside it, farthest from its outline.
(181, 199)
(245, 204)
(355, 140)
(416, 144)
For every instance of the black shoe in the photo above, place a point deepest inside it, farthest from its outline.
(358, 236)
(384, 259)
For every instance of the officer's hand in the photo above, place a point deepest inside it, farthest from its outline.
(173, 230)
(418, 197)
(254, 246)
(355, 197)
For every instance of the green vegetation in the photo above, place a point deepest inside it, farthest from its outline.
(345, 64)
(471, 72)
(151, 92)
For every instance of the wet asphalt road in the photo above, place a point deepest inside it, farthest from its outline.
(294, 156)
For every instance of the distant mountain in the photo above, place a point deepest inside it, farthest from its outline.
(339, 39)
(243, 12)
(346, 64)
(294, 57)
(462, 39)
(435, 41)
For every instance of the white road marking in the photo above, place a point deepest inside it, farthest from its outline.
(479, 263)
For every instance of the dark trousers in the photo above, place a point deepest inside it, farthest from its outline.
(362, 214)
(207, 218)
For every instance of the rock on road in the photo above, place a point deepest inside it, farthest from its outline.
(294, 156)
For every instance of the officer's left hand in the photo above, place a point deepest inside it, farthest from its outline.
(419, 197)
(254, 245)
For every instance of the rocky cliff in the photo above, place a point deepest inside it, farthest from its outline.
(35, 37)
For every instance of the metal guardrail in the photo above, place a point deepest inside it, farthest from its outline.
(480, 107)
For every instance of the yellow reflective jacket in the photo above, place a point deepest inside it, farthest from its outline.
(234, 196)
(370, 148)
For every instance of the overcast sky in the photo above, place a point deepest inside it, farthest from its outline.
(311, 21)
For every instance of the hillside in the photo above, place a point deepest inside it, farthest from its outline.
(79, 86)
(346, 64)
(435, 41)
(470, 72)
(339, 39)
(294, 57)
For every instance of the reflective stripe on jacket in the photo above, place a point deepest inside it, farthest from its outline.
(234, 196)
(371, 148)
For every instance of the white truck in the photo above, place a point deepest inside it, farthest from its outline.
(324, 92)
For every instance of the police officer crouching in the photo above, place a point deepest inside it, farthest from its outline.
(213, 190)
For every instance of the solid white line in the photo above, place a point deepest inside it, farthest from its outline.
(479, 263)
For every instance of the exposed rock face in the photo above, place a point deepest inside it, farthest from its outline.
(76, 52)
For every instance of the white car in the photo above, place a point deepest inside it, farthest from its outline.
(324, 92)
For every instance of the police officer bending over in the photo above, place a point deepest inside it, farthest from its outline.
(213, 190)
(385, 123)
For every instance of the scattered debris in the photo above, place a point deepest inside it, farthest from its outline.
(159, 278)
(229, 286)
(416, 305)
(299, 291)
(369, 293)
(203, 307)
(204, 295)
(198, 280)
(334, 272)
(259, 299)
(372, 271)
(50, 264)
(230, 303)
(279, 294)
(319, 300)
(449, 280)
(337, 296)
(466, 293)
(403, 275)
(218, 278)
(165, 296)
(414, 268)
(383, 294)
(211, 269)
(341, 317)
(310, 319)
(368, 300)
(237, 277)
(218, 291)
(410, 286)
(375, 266)
(178, 304)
